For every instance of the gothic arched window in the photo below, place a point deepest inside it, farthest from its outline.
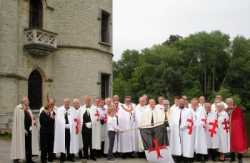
(35, 93)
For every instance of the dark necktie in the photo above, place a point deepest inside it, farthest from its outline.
(152, 119)
(180, 118)
(66, 118)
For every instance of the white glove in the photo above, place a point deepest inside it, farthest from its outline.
(30, 128)
(88, 125)
(67, 126)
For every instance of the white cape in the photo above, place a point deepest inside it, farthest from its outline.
(223, 131)
(182, 135)
(59, 141)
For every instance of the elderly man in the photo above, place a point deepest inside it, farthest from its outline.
(126, 119)
(99, 104)
(212, 132)
(166, 105)
(139, 110)
(66, 132)
(182, 133)
(175, 105)
(223, 130)
(91, 128)
(76, 108)
(116, 99)
(199, 115)
(160, 102)
(22, 145)
(218, 99)
(202, 101)
(238, 135)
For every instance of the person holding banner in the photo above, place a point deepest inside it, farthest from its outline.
(154, 134)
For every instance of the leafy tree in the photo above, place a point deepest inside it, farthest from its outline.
(200, 64)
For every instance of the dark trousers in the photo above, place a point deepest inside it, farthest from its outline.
(233, 155)
(67, 146)
(28, 147)
(200, 157)
(181, 159)
(212, 154)
(111, 135)
(46, 145)
(67, 141)
(87, 143)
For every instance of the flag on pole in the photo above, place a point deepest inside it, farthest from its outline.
(156, 146)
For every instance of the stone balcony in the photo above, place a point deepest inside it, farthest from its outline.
(39, 42)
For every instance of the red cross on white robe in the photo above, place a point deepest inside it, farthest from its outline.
(190, 126)
(225, 123)
(214, 126)
(77, 121)
(97, 115)
(157, 148)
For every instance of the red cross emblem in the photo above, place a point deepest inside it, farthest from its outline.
(157, 148)
(190, 126)
(214, 126)
(97, 114)
(77, 121)
(226, 125)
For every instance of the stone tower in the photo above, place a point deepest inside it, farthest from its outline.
(60, 48)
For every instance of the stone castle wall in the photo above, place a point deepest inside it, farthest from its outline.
(73, 70)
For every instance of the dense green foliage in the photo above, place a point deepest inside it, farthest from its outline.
(200, 64)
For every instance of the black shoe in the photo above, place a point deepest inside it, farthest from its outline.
(30, 161)
(80, 154)
(110, 158)
(124, 156)
(50, 159)
(232, 160)
(63, 157)
(93, 158)
(86, 158)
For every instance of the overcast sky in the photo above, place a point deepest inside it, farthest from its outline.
(138, 24)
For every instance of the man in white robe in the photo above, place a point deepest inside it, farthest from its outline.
(24, 144)
(91, 128)
(127, 123)
(200, 146)
(77, 121)
(223, 130)
(218, 99)
(202, 101)
(166, 109)
(182, 134)
(212, 132)
(153, 117)
(103, 120)
(160, 104)
(65, 132)
(139, 110)
(175, 105)
(116, 99)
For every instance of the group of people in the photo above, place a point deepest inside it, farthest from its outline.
(196, 129)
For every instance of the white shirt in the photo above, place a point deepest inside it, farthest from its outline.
(112, 123)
